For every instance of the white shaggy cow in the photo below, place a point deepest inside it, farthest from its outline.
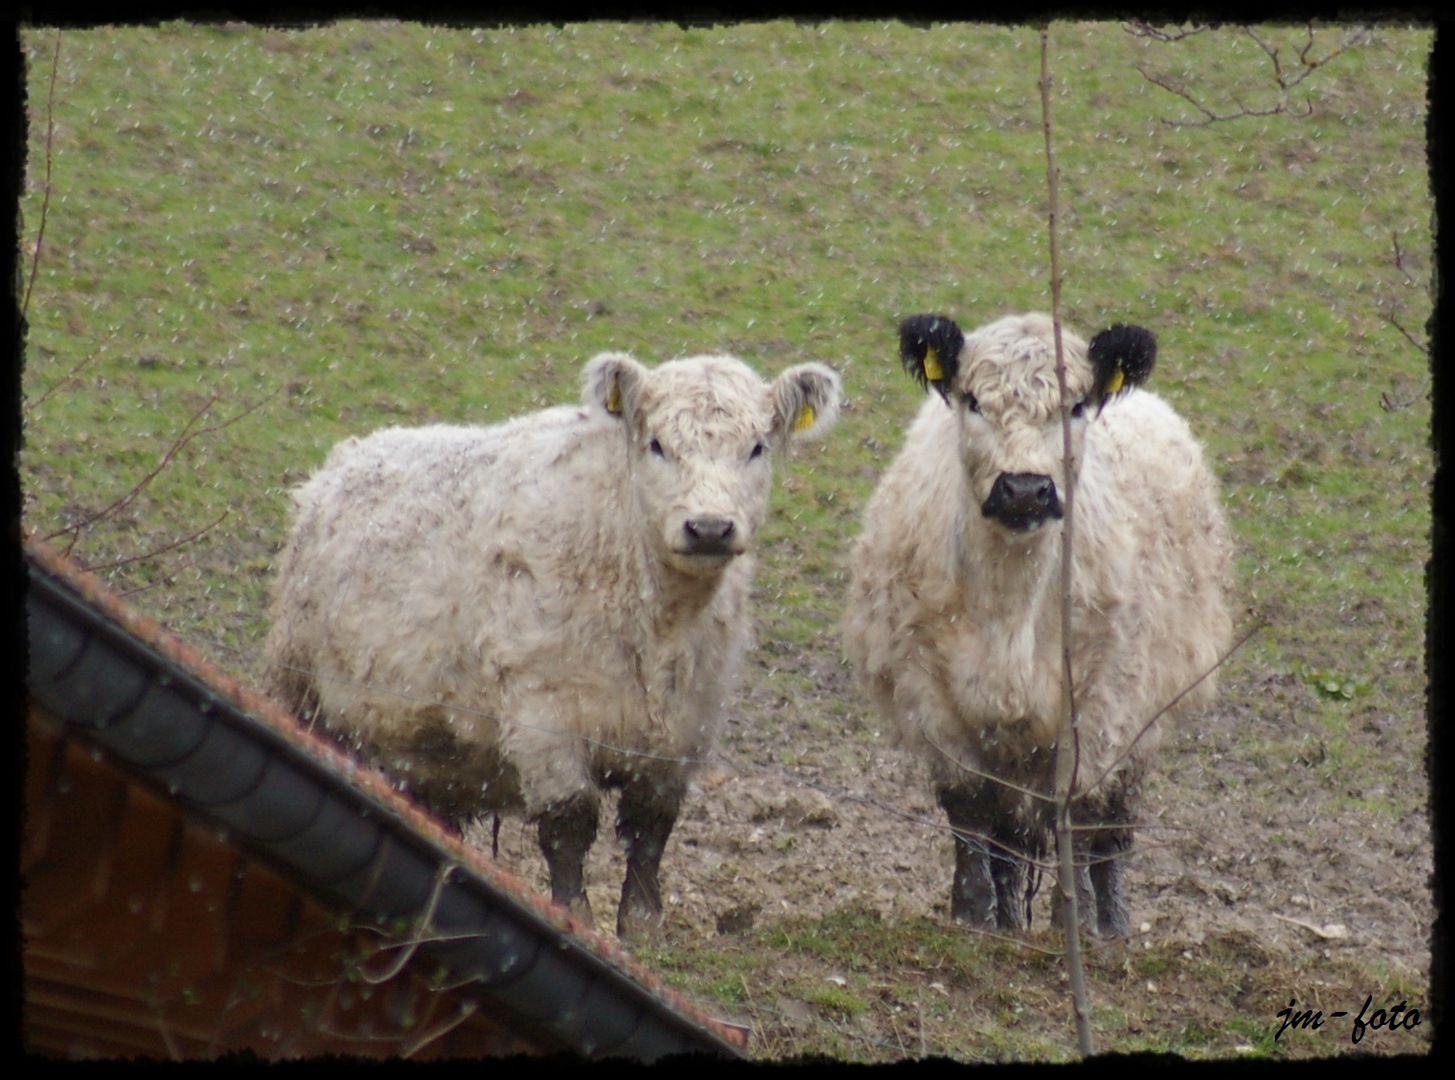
(953, 620)
(518, 616)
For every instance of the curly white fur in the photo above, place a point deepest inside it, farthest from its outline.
(953, 620)
(516, 616)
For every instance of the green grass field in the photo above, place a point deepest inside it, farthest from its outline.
(283, 237)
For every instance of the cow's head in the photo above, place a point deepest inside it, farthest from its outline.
(1001, 382)
(700, 433)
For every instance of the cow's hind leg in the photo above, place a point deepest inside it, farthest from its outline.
(1102, 838)
(1112, 919)
(566, 831)
(1081, 860)
(1109, 846)
(973, 893)
(1015, 843)
(645, 816)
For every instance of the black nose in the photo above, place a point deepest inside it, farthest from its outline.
(709, 536)
(1022, 500)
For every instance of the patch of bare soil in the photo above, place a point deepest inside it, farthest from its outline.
(804, 812)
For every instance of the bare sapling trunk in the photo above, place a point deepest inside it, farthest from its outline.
(1067, 741)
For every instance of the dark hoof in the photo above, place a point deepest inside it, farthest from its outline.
(1118, 926)
(580, 909)
(979, 916)
(634, 924)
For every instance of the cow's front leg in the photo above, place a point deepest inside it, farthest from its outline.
(644, 820)
(566, 831)
(973, 890)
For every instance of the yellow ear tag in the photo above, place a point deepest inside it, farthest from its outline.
(804, 420)
(1114, 382)
(933, 371)
(613, 398)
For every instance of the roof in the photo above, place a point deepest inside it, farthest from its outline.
(156, 781)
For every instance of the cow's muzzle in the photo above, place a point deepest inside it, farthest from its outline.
(1022, 501)
(709, 536)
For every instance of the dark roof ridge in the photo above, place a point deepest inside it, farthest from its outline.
(334, 825)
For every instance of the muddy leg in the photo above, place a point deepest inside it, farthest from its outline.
(973, 891)
(566, 831)
(1109, 847)
(1111, 904)
(1081, 874)
(1008, 871)
(644, 819)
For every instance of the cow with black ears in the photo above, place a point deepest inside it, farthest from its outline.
(953, 620)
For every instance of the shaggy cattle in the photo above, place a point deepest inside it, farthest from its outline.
(517, 617)
(954, 615)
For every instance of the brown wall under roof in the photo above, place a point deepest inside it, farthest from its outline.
(147, 935)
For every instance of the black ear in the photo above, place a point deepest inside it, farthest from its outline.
(1121, 357)
(929, 349)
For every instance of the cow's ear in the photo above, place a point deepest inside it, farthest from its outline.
(611, 382)
(806, 401)
(929, 349)
(1121, 357)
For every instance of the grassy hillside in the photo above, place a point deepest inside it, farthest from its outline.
(260, 241)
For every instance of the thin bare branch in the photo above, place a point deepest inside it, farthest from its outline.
(182, 440)
(161, 550)
(466, 1010)
(45, 202)
(1285, 76)
(983, 775)
(1393, 320)
(408, 946)
(1393, 404)
(165, 579)
(1351, 39)
(1209, 117)
(1386, 402)
(1127, 750)
(67, 377)
(188, 434)
(1399, 260)
(1270, 50)
(1147, 30)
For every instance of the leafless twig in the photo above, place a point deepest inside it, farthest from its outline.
(408, 946)
(443, 1028)
(189, 432)
(165, 579)
(50, 127)
(161, 550)
(1385, 401)
(1147, 30)
(1399, 260)
(1127, 750)
(1209, 117)
(67, 377)
(1287, 73)
(1393, 404)
(1394, 321)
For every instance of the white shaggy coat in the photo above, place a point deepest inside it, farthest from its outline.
(953, 621)
(511, 594)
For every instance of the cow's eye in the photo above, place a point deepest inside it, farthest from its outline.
(757, 451)
(655, 447)
(971, 403)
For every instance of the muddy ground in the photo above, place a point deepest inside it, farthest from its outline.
(1231, 840)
